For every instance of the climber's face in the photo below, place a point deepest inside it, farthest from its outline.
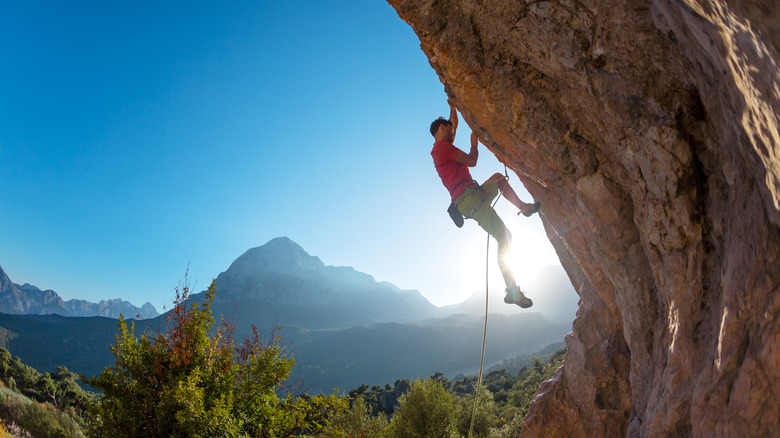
(447, 132)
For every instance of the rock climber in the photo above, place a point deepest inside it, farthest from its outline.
(472, 199)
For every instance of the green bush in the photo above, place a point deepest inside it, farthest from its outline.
(504, 400)
(41, 404)
(484, 418)
(426, 411)
(41, 419)
(59, 389)
(358, 422)
(194, 380)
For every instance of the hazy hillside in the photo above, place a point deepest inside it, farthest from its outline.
(389, 351)
(46, 341)
(344, 327)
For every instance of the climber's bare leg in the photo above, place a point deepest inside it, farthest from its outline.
(508, 192)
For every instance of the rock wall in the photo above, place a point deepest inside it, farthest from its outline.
(649, 132)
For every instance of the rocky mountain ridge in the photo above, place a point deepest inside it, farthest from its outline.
(28, 299)
(280, 282)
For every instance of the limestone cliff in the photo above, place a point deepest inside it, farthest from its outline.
(649, 132)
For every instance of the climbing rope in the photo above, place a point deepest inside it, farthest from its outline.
(484, 331)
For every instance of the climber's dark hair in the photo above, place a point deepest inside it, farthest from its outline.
(438, 122)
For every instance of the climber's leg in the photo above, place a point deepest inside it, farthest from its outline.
(509, 193)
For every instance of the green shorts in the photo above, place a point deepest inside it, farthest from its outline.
(475, 202)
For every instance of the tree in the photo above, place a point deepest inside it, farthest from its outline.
(427, 410)
(530, 379)
(59, 389)
(194, 380)
(485, 417)
(358, 422)
(46, 387)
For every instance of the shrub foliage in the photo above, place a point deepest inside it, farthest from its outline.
(503, 403)
(427, 410)
(35, 404)
(195, 380)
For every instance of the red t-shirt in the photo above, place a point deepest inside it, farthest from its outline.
(451, 172)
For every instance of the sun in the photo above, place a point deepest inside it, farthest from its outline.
(531, 251)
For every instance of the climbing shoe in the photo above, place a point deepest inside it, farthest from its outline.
(508, 298)
(531, 209)
(515, 296)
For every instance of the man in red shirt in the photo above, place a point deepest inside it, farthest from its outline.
(473, 200)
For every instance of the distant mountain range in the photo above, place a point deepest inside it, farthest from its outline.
(345, 328)
(28, 299)
(280, 283)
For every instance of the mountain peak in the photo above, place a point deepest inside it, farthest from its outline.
(280, 255)
(5, 282)
(300, 290)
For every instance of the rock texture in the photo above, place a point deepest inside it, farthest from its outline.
(649, 132)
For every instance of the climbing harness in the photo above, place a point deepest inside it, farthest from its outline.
(455, 214)
(484, 331)
(457, 217)
(474, 182)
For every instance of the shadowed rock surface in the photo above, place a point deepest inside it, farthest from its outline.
(648, 130)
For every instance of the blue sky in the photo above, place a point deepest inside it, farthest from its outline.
(140, 138)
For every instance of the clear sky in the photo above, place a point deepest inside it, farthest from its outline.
(140, 138)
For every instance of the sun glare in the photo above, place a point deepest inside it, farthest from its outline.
(531, 251)
(529, 256)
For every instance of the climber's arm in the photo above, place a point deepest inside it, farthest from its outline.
(453, 118)
(469, 159)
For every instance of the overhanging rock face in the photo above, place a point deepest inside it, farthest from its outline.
(649, 132)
